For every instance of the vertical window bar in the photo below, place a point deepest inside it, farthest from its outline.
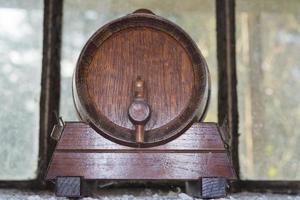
(227, 94)
(50, 84)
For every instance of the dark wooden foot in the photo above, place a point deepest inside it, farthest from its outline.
(69, 187)
(207, 188)
(213, 187)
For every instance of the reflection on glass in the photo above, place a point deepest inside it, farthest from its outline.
(81, 20)
(20, 72)
(268, 63)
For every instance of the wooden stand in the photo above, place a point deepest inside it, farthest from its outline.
(198, 156)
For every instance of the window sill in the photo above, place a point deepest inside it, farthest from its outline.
(136, 194)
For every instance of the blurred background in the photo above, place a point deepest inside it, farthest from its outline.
(268, 73)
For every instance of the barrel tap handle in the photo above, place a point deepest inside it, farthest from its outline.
(139, 110)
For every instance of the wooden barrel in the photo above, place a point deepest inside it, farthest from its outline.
(145, 47)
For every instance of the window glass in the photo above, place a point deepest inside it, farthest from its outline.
(268, 70)
(20, 71)
(81, 20)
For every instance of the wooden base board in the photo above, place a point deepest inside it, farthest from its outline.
(198, 153)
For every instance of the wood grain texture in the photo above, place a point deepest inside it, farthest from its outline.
(200, 136)
(164, 56)
(140, 165)
(153, 55)
(198, 153)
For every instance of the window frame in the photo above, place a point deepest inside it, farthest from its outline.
(227, 96)
(227, 80)
(50, 92)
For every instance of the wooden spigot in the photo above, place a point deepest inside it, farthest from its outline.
(139, 110)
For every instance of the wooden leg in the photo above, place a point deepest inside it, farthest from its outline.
(213, 187)
(68, 187)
